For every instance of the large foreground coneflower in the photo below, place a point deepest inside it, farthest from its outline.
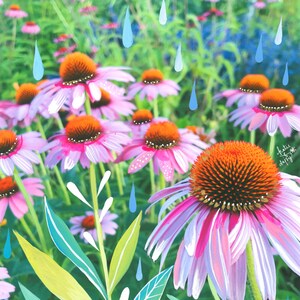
(235, 194)
(79, 75)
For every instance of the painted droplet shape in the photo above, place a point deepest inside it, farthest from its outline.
(178, 60)
(285, 79)
(193, 105)
(259, 55)
(278, 37)
(139, 272)
(127, 37)
(7, 246)
(132, 200)
(38, 68)
(163, 13)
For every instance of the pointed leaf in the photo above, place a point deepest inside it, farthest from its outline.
(57, 280)
(67, 245)
(123, 253)
(28, 295)
(155, 287)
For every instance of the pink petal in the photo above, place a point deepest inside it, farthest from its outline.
(140, 161)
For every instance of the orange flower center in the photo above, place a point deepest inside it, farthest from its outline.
(8, 142)
(162, 135)
(142, 116)
(254, 83)
(152, 76)
(88, 222)
(200, 132)
(8, 187)
(25, 93)
(104, 101)
(64, 36)
(83, 129)
(234, 176)
(276, 100)
(76, 68)
(14, 7)
(30, 23)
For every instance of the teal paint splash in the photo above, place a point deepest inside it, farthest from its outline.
(163, 14)
(7, 246)
(193, 105)
(132, 200)
(259, 56)
(285, 79)
(38, 68)
(178, 60)
(139, 272)
(127, 37)
(278, 37)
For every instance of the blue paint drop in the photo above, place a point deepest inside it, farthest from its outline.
(7, 246)
(178, 60)
(193, 105)
(259, 56)
(127, 37)
(163, 14)
(139, 272)
(285, 79)
(38, 68)
(278, 37)
(132, 200)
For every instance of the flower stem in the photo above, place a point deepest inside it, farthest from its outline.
(59, 123)
(272, 146)
(212, 289)
(44, 173)
(93, 185)
(251, 273)
(152, 177)
(62, 185)
(14, 33)
(31, 209)
(252, 136)
(162, 182)
(87, 106)
(155, 107)
(107, 186)
(119, 179)
(29, 232)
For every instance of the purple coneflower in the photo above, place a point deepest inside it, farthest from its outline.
(16, 150)
(5, 287)
(152, 85)
(79, 75)
(87, 10)
(31, 27)
(81, 224)
(170, 148)
(276, 109)
(235, 195)
(15, 12)
(63, 37)
(208, 138)
(251, 86)
(86, 139)
(11, 197)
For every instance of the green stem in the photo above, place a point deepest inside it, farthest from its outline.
(272, 146)
(87, 106)
(14, 33)
(155, 107)
(62, 185)
(29, 232)
(212, 289)
(107, 186)
(119, 179)
(45, 174)
(162, 182)
(252, 136)
(251, 273)
(152, 177)
(40, 128)
(31, 209)
(59, 123)
(93, 185)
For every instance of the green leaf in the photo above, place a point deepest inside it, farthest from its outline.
(155, 287)
(172, 297)
(57, 280)
(28, 295)
(67, 245)
(123, 253)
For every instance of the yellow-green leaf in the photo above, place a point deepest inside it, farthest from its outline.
(57, 280)
(123, 253)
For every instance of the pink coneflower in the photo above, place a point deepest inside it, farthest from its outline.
(64, 50)
(201, 18)
(79, 75)
(235, 195)
(5, 120)
(87, 10)
(31, 28)
(110, 26)
(276, 109)
(15, 12)
(86, 139)
(63, 37)
(208, 138)
(152, 85)
(260, 4)
(85, 223)
(17, 150)
(251, 86)
(12, 197)
(5, 287)
(141, 120)
(169, 147)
